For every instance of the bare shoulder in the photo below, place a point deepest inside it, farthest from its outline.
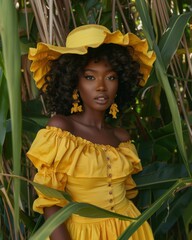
(122, 134)
(60, 121)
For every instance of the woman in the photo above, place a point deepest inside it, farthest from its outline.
(96, 75)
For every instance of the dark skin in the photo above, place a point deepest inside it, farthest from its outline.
(97, 87)
(60, 233)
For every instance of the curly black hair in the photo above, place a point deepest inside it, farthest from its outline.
(64, 73)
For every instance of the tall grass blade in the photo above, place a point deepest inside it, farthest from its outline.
(12, 63)
(4, 106)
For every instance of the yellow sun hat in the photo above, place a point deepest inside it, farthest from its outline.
(79, 40)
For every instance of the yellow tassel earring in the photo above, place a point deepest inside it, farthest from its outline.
(113, 110)
(76, 107)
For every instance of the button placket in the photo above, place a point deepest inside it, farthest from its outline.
(109, 176)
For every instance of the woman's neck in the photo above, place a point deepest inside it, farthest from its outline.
(94, 121)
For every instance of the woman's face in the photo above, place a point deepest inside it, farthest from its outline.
(98, 85)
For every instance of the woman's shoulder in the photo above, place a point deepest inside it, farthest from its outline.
(61, 121)
(121, 134)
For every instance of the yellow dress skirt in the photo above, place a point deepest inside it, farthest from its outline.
(91, 173)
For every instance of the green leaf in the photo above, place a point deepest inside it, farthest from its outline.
(89, 210)
(82, 209)
(50, 192)
(187, 219)
(12, 65)
(4, 106)
(146, 21)
(160, 70)
(170, 212)
(169, 42)
(154, 176)
(154, 207)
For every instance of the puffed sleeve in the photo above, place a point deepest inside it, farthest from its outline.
(44, 155)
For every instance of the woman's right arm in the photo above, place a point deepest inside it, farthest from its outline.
(42, 153)
(61, 232)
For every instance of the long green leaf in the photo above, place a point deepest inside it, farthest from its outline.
(155, 206)
(169, 42)
(89, 210)
(12, 64)
(160, 70)
(146, 21)
(82, 209)
(4, 105)
(50, 192)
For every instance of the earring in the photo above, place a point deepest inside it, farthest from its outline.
(76, 107)
(113, 110)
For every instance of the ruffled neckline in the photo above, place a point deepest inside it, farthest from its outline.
(60, 151)
(65, 133)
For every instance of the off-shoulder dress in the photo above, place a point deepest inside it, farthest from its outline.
(91, 173)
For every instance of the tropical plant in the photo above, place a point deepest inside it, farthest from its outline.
(159, 121)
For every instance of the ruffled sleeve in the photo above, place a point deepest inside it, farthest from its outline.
(44, 155)
(130, 185)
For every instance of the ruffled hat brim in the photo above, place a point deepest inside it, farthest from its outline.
(79, 40)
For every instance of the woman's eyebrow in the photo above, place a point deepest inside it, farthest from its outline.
(89, 69)
(94, 70)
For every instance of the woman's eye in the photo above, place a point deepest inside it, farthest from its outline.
(89, 77)
(112, 78)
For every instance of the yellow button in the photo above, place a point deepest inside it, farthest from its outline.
(110, 175)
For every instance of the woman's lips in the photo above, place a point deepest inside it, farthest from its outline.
(101, 99)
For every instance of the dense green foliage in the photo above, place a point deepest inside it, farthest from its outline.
(159, 121)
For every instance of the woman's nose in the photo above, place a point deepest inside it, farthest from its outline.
(101, 85)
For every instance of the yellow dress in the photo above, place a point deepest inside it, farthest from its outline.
(93, 173)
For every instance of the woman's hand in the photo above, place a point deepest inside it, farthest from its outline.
(61, 232)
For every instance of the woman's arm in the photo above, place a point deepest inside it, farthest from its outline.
(61, 232)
